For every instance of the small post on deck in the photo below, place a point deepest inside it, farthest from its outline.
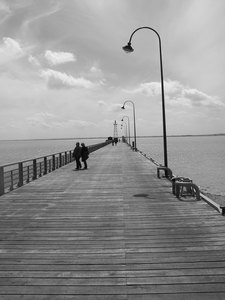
(65, 158)
(2, 188)
(222, 210)
(34, 169)
(45, 165)
(20, 182)
(53, 162)
(60, 160)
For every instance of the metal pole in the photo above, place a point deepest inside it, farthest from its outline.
(163, 107)
(135, 135)
(128, 127)
(125, 130)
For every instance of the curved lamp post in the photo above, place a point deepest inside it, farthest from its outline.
(125, 129)
(135, 137)
(128, 126)
(128, 48)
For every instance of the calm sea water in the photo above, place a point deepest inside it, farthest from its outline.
(14, 151)
(201, 158)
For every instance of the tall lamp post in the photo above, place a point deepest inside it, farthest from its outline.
(126, 135)
(128, 48)
(128, 127)
(135, 136)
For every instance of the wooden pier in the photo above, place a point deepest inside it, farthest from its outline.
(114, 231)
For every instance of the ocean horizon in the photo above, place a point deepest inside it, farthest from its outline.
(104, 137)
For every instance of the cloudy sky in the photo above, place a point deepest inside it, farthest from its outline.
(63, 72)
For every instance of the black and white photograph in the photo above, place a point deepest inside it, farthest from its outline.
(112, 150)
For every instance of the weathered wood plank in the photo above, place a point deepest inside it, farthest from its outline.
(64, 290)
(63, 297)
(179, 296)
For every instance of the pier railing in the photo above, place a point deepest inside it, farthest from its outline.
(17, 174)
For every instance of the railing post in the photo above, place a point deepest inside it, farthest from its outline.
(2, 187)
(53, 162)
(28, 174)
(12, 183)
(20, 182)
(65, 158)
(60, 160)
(45, 165)
(34, 169)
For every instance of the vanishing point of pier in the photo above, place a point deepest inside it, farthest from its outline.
(115, 231)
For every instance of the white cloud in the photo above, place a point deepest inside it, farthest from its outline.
(96, 73)
(199, 98)
(34, 61)
(95, 70)
(101, 103)
(46, 10)
(10, 50)
(148, 89)
(42, 119)
(116, 107)
(178, 94)
(154, 88)
(78, 123)
(48, 120)
(4, 7)
(59, 80)
(5, 12)
(56, 58)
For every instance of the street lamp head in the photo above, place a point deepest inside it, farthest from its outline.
(128, 48)
(123, 107)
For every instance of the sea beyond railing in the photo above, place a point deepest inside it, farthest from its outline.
(17, 174)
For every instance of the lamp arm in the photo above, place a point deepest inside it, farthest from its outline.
(143, 27)
(129, 101)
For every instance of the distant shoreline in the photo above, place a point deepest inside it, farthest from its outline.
(102, 137)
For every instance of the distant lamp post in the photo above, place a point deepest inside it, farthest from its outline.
(125, 130)
(128, 126)
(135, 136)
(128, 48)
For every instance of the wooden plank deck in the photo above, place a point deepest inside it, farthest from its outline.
(114, 231)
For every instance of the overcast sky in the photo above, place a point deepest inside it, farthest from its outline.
(63, 72)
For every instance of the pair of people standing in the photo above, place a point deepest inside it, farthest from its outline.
(81, 152)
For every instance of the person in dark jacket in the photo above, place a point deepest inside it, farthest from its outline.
(84, 155)
(77, 156)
